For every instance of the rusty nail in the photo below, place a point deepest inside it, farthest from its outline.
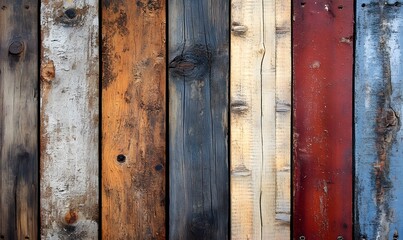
(70, 13)
(302, 238)
(340, 238)
(71, 217)
(121, 158)
(16, 47)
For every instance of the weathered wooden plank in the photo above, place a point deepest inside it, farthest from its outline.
(260, 119)
(198, 116)
(133, 119)
(69, 119)
(378, 135)
(282, 122)
(322, 122)
(18, 119)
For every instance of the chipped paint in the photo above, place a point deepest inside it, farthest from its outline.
(69, 135)
(378, 109)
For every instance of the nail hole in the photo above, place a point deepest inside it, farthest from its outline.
(26, 237)
(340, 7)
(302, 238)
(3, 7)
(363, 5)
(2, 237)
(26, 7)
(303, 4)
(340, 238)
(159, 167)
(70, 13)
(397, 4)
(121, 158)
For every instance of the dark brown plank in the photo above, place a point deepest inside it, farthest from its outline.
(198, 117)
(18, 119)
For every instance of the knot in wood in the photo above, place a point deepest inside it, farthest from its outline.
(16, 47)
(193, 63)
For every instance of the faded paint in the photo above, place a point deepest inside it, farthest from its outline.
(378, 105)
(322, 119)
(69, 125)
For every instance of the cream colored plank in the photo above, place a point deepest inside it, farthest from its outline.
(247, 52)
(260, 119)
(283, 119)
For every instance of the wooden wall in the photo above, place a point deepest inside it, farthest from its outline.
(201, 119)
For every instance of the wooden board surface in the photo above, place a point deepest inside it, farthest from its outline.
(260, 119)
(69, 119)
(18, 119)
(378, 109)
(198, 119)
(133, 119)
(322, 121)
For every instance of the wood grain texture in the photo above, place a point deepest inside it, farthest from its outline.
(69, 119)
(18, 119)
(260, 119)
(378, 109)
(322, 122)
(133, 119)
(198, 117)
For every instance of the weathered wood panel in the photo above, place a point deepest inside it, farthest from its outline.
(198, 117)
(322, 122)
(260, 119)
(133, 119)
(18, 119)
(69, 119)
(378, 136)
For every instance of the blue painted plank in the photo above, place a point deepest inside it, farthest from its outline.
(378, 132)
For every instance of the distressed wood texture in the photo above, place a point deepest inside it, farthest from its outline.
(322, 122)
(378, 136)
(69, 119)
(198, 115)
(133, 119)
(260, 119)
(18, 119)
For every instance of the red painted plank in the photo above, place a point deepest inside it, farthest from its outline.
(322, 125)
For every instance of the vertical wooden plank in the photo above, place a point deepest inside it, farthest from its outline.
(198, 115)
(282, 122)
(378, 104)
(260, 119)
(133, 119)
(69, 119)
(323, 51)
(18, 119)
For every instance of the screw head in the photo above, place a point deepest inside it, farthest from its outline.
(16, 47)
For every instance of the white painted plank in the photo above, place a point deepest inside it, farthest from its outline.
(69, 119)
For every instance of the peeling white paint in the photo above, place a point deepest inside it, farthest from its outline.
(69, 111)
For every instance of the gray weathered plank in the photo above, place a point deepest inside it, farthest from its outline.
(69, 119)
(198, 115)
(18, 119)
(379, 104)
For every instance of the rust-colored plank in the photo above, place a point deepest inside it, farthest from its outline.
(322, 123)
(18, 119)
(133, 119)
